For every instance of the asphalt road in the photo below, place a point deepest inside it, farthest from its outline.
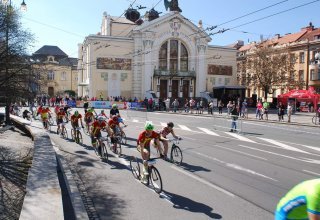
(224, 175)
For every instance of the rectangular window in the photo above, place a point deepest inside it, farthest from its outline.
(173, 56)
(63, 76)
(301, 75)
(226, 81)
(312, 75)
(301, 57)
(163, 56)
(292, 58)
(50, 75)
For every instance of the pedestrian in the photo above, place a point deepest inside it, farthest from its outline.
(175, 105)
(220, 106)
(244, 109)
(167, 102)
(266, 109)
(234, 117)
(229, 107)
(192, 103)
(210, 108)
(280, 111)
(186, 106)
(289, 111)
(259, 110)
(201, 107)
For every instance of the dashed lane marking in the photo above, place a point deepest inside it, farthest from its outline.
(240, 137)
(311, 172)
(284, 146)
(183, 127)
(208, 131)
(163, 124)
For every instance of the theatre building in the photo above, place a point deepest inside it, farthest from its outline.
(167, 54)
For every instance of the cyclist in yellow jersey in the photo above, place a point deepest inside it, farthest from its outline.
(301, 202)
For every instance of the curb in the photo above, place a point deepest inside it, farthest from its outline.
(75, 197)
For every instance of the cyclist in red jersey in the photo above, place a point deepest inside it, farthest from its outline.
(143, 145)
(60, 115)
(75, 121)
(96, 128)
(164, 132)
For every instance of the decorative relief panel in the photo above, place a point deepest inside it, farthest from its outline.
(113, 63)
(219, 70)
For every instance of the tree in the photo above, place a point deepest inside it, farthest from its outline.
(19, 75)
(268, 68)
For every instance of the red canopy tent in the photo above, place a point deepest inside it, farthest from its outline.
(301, 96)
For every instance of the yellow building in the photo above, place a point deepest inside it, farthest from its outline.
(61, 71)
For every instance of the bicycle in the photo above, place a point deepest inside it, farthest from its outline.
(50, 120)
(315, 120)
(87, 128)
(122, 136)
(78, 137)
(176, 156)
(104, 152)
(118, 149)
(46, 125)
(154, 178)
(63, 131)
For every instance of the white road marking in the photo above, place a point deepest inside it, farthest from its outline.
(237, 167)
(261, 158)
(135, 120)
(241, 138)
(284, 146)
(281, 155)
(184, 128)
(203, 181)
(208, 131)
(310, 147)
(163, 124)
(307, 171)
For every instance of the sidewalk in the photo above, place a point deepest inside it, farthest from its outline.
(299, 118)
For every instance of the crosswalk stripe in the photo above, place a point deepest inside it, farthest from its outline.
(208, 131)
(184, 128)
(163, 124)
(240, 137)
(284, 146)
(135, 120)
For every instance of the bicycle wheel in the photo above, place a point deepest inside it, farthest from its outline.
(123, 138)
(86, 130)
(119, 149)
(104, 152)
(155, 179)
(51, 122)
(72, 135)
(48, 126)
(315, 120)
(65, 133)
(79, 139)
(176, 155)
(135, 167)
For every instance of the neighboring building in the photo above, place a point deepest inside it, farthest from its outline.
(61, 70)
(168, 54)
(303, 47)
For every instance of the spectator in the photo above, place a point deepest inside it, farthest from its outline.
(244, 109)
(280, 111)
(175, 105)
(167, 102)
(210, 108)
(192, 103)
(201, 106)
(220, 106)
(234, 116)
(289, 111)
(186, 106)
(229, 107)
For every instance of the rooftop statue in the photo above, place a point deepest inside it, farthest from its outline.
(173, 5)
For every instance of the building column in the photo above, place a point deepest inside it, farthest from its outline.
(200, 69)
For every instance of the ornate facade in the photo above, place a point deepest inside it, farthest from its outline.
(168, 55)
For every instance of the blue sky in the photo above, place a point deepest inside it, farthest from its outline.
(65, 23)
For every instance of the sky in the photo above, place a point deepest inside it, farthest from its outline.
(66, 23)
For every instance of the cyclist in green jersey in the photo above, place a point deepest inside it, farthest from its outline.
(301, 202)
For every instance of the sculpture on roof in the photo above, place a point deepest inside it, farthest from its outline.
(173, 5)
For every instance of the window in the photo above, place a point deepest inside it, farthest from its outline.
(226, 81)
(173, 56)
(50, 75)
(301, 75)
(292, 75)
(312, 75)
(63, 76)
(292, 58)
(301, 57)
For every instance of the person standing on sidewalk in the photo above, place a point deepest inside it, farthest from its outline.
(167, 102)
(280, 111)
(175, 105)
(266, 109)
(234, 117)
(289, 111)
(220, 106)
(210, 108)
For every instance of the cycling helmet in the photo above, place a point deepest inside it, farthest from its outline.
(115, 118)
(100, 118)
(170, 124)
(114, 106)
(149, 126)
(102, 111)
(76, 113)
(90, 110)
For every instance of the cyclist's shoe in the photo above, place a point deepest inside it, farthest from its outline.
(144, 179)
(145, 171)
(162, 156)
(99, 151)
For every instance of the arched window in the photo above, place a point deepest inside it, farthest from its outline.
(173, 56)
(63, 76)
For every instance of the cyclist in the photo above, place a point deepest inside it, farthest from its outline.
(96, 128)
(56, 109)
(39, 110)
(164, 132)
(75, 122)
(60, 115)
(301, 202)
(114, 110)
(103, 114)
(114, 125)
(89, 118)
(143, 145)
(45, 112)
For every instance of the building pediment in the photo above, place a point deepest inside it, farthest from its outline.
(176, 22)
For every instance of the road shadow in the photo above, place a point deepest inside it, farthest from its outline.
(181, 202)
(193, 168)
(86, 163)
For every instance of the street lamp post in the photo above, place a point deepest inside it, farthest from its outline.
(23, 7)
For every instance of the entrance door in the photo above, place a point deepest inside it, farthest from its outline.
(163, 89)
(50, 91)
(185, 89)
(175, 89)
